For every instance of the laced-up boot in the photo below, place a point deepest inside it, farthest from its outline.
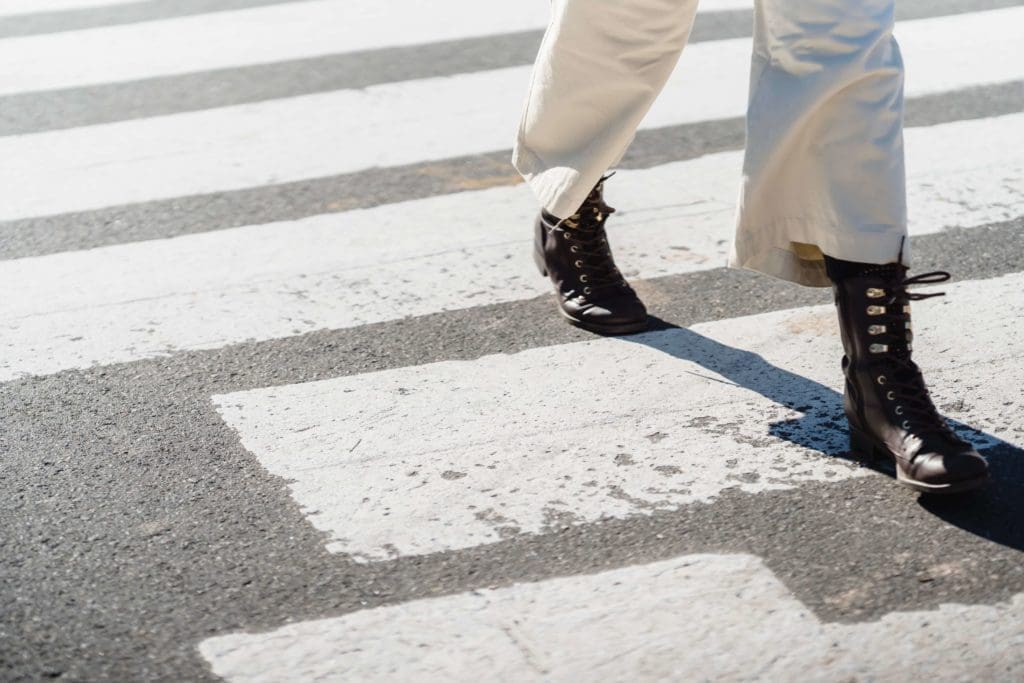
(890, 412)
(575, 254)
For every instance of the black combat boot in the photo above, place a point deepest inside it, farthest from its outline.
(574, 252)
(887, 404)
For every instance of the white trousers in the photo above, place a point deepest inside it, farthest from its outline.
(823, 171)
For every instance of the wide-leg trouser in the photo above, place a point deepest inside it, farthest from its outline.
(823, 171)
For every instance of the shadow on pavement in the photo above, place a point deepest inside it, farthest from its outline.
(995, 513)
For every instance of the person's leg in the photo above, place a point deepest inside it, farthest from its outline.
(823, 168)
(824, 201)
(600, 67)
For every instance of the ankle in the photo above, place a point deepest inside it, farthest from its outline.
(839, 270)
(549, 218)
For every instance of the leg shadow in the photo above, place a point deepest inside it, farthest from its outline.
(995, 513)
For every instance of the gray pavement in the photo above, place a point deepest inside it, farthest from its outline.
(133, 524)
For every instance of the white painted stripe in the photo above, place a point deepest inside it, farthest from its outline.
(354, 10)
(15, 7)
(259, 35)
(693, 618)
(347, 131)
(456, 454)
(147, 299)
(724, 5)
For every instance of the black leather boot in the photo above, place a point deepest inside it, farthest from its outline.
(574, 252)
(890, 412)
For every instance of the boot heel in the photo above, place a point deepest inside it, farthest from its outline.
(538, 246)
(538, 258)
(862, 445)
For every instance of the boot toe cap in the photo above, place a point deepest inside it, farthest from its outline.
(940, 469)
(623, 310)
(618, 315)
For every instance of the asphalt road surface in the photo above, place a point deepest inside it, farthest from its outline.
(283, 398)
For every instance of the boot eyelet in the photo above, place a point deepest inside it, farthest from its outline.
(578, 263)
(875, 293)
(881, 379)
(899, 410)
(584, 278)
(574, 248)
(891, 395)
(878, 348)
(905, 424)
(566, 234)
(875, 330)
(587, 290)
(876, 310)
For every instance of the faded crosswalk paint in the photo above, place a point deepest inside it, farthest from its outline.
(10, 8)
(320, 135)
(448, 456)
(700, 617)
(148, 299)
(261, 35)
(456, 454)
(246, 37)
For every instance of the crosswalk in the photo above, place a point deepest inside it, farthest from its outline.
(375, 448)
(300, 138)
(235, 39)
(145, 299)
(22, 7)
(428, 460)
(637, 623)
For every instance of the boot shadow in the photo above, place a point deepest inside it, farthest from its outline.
(995, 513)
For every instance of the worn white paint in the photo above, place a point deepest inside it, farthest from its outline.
(347, 131)
(456, 454)
(259, 35)
(723, 5)
(15, 7)
(699, 617)
(146, 299)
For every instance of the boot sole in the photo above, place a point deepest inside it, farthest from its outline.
(864, 445)
(624, 328)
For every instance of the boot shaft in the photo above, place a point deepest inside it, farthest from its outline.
(874, 316)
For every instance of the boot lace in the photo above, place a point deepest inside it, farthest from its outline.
(589, 242)
(892, 336)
